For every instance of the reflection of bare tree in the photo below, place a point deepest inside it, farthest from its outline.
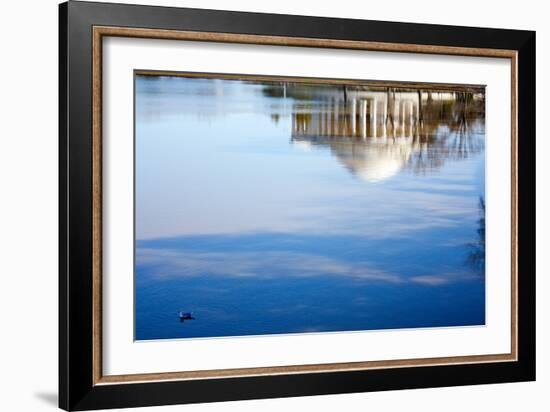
(458, 133)
(448, 143)
(476, 255)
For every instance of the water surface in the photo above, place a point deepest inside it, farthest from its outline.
(267, 208)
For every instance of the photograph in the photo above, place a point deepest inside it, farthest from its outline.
(278, 205)
(260, 205)
(214, 206)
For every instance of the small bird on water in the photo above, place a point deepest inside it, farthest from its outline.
(186, 316)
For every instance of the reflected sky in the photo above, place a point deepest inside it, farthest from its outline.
(275, 207)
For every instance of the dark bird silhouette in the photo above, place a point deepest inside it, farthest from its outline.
(186, 316)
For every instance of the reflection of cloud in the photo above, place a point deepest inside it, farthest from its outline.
(432, 280)
(265, 264)
(443, 278)
(169, 262)
(376, 212)
(352, 215)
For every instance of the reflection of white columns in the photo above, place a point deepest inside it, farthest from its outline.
(336, 118)
(397, 117)
(404, 118)
(328, 119)
(410, 117)
(385, 115)
(364, 118)
(374, 118)
(329, 116)
(353, 116)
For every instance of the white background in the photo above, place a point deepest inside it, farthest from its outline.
(123, 356)
(28, 207)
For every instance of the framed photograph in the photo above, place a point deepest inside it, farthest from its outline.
(256, 205)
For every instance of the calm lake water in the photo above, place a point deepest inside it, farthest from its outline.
(267, 208)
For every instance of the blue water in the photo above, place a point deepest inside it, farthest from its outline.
(271, 208)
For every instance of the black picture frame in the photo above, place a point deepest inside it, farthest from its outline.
(77, 390)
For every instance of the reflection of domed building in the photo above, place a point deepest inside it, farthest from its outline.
(371, 160)
(374, 160)
(377, 134)
(357, 135)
